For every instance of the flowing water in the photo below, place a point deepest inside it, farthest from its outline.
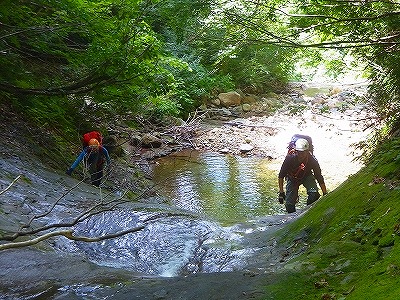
(208, 197)
(213, 212)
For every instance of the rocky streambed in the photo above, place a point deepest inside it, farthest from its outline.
(335, 120)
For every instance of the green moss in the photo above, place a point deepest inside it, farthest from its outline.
(386, 241)
(26, 179)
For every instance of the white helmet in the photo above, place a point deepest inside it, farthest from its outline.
(301, 145)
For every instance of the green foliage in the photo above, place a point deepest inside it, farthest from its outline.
(258, 69)
(369, 31)
(121, 55)
(48, 110)
(163, 105)
(124, 54)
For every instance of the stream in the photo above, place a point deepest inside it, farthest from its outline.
(211, 212)
(228, 189)
(208, 198)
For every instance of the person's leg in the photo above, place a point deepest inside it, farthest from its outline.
(96, 168)
(292, 191)
(96, 173)
(97, 176)
(310, 184)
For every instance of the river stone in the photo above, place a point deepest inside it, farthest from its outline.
(245, 148)
(224, 150)
(246, 107)
(216, 102)
(135, 140)
(151, 141)
(230, 99)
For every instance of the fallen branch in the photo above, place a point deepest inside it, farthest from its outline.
(69, 235)
(95, 210)
(10, 185)
(33, 241)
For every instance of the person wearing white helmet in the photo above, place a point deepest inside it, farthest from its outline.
(300, 168)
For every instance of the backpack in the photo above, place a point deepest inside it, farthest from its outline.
(295, 137)
(91, 135)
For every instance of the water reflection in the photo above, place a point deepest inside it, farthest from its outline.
(228, 189)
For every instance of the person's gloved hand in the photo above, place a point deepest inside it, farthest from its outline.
(282, 197)
(69, 171)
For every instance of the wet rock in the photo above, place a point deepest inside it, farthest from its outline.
(151, 141)
(226, 112)
(244, 148)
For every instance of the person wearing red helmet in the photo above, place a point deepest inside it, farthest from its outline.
(300, 168)
(94, 156)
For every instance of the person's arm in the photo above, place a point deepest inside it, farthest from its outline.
(76, 162)
(282, 174)
(284, 171)
(280, 184)
(282, 195)
(107, 156)
(323, 188)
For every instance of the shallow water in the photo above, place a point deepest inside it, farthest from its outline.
(228, 189)
(208, 197)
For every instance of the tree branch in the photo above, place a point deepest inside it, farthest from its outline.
(69, 235)
(52, 207)
(290, 40)
(10, 185)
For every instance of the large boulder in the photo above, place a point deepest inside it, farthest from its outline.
(111, 144)
(151, 141)
(230, 99)
(250, 99)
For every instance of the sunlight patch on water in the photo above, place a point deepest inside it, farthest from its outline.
(227, 189)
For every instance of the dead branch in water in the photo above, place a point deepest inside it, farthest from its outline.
(63, 228)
